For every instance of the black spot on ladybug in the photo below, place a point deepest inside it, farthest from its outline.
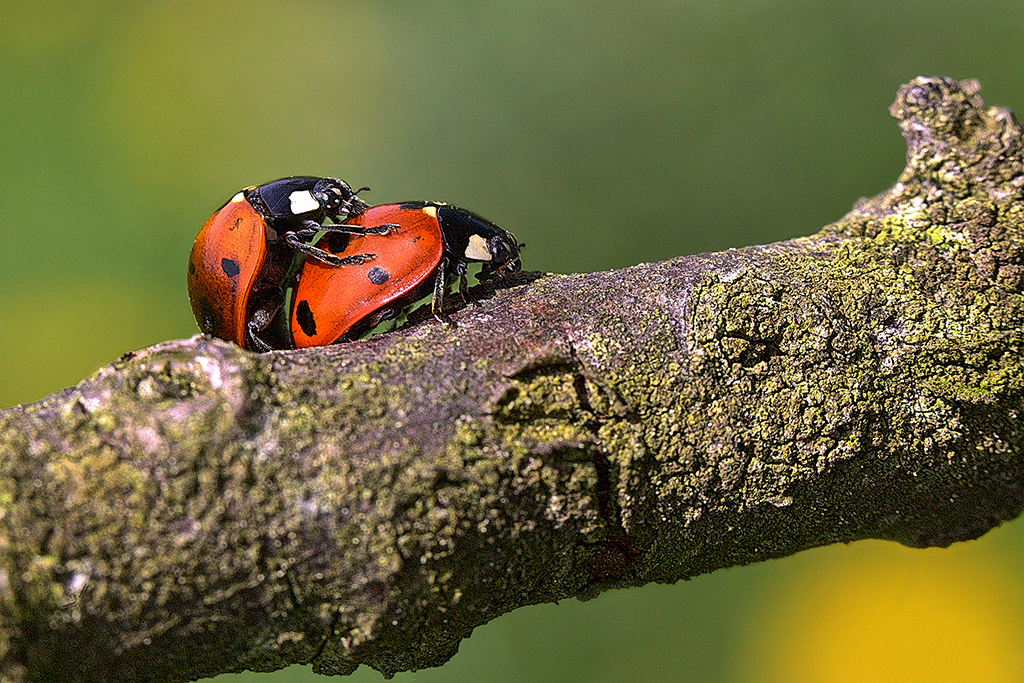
(304, 315)
(191, 268)
(238, 221)
(378, 275)
(230, 267)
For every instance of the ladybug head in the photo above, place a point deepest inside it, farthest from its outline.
(504, 250)
(470, 237)
(337, 199)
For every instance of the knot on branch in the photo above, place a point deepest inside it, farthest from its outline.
(936, 114)
(957, 143)
(960, 195)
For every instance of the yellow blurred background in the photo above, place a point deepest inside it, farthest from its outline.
(603, 134)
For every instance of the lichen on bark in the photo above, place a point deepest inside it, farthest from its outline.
(195, 509)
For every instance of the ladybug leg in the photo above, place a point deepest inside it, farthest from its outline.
(357, 230)
(460, 270)
(368, 323)
(254, 338)
(257, 323)
(440, 287)
(380, 316)
(330, 259)
(311, 227)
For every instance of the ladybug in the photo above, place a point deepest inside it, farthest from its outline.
(429, 244)
(244, 252)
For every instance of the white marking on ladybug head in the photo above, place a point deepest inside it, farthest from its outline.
(477, 249)
(303, 201)
(240, 197)
(430, 211)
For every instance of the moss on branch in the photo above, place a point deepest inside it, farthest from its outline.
(194, 509)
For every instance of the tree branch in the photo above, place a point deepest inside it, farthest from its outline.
(194, 509)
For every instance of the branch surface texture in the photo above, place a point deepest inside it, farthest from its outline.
(194, 509)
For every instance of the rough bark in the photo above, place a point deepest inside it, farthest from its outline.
(195, 509)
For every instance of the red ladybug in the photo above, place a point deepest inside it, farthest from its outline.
(428, 244)
(243, 252)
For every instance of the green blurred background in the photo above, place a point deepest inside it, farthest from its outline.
(602, 134)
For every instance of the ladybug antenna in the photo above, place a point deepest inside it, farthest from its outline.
(362, 189)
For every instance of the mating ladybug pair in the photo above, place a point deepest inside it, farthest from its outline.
(371, 263)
